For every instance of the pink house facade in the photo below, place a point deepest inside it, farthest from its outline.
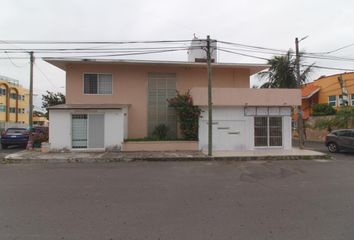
(110, 101)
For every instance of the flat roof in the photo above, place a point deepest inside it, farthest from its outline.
(87, 106)
(62, 63)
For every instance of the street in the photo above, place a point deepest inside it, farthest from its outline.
(311, 199)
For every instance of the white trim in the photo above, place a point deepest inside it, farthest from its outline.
(336, 102)
(313, 93)
(268, 135)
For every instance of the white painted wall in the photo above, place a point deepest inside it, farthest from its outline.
(232, 130)
(287, 134)
(60, 127)
(114, 128)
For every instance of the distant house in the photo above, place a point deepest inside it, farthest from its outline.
(13, 101)
(110, 101)
(327, 89)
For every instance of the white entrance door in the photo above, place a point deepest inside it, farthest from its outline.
(79, 131)
(87, 131)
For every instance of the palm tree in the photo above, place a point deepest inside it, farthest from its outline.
(282, 72)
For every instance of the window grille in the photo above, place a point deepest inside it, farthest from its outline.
(161, 86)
(268, 131)
(79, 131)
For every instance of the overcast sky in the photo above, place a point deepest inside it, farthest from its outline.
(271, 23)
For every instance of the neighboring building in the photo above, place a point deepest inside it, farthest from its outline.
(109, 101)
(327, 89)
(39, 119)
(14, 101)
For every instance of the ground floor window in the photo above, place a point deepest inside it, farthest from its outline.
(268, 131)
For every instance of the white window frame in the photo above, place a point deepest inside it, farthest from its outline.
(98, 83)
(335, 101)
(352, 99)
(268, 135)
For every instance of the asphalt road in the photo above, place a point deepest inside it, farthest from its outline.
(178, 200)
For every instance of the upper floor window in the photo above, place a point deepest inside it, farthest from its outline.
(2, 91)
(97, 83)
(13, 96)
(12, 110)
(352, 98)
(332, 101)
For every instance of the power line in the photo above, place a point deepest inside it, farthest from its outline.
(12, 62)
(90, 42)
(336, 50)
(242, 54)
(45, 76)
(329, 68)
(91, 50)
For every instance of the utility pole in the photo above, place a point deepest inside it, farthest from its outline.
(343, 90)
(30, 117)
(299, 110)
(210, 106)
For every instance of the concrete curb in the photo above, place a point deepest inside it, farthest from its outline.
(165, 159)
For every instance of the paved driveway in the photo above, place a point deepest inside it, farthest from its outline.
(178, 200)
(9, 150)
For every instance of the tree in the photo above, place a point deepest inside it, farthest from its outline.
(188, 114)
(282, 72)
(52, 99)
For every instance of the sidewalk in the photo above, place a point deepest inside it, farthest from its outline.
(27, 156)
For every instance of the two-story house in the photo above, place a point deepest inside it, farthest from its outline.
(109, 101)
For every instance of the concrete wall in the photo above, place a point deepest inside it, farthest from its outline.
(60, 127)
(130, 86)
(232, 130)
(161, 146)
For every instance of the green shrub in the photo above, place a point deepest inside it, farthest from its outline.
(160, 132)
(322, 109)
(188, 115)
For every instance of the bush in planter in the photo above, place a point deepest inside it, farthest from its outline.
(322, 109)
(160, 132)
(38, 137)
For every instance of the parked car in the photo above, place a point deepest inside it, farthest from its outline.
(342, 139)
(14, 136)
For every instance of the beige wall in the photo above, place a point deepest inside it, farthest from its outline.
(248, 97)
(130, 84)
